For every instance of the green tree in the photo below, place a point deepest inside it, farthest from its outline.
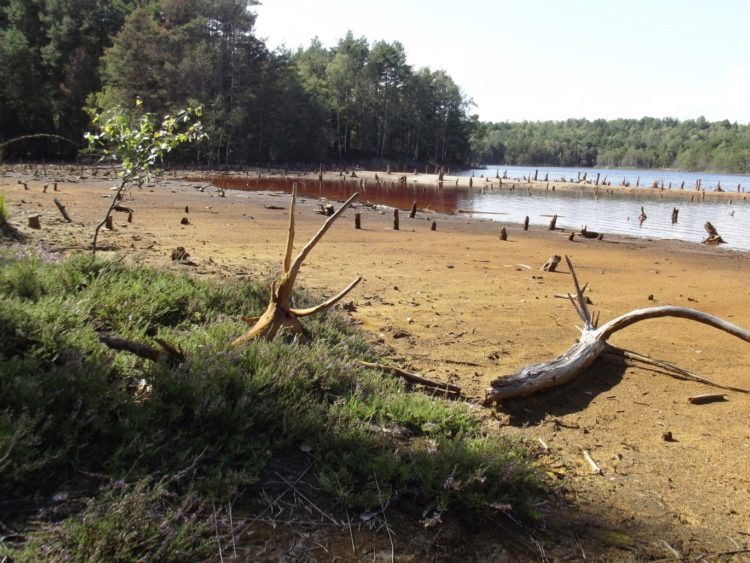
(138, 142)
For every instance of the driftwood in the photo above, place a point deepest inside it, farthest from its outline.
(708, 398)
(592, 344)
(551, 264)
(168, 354)
(414, 378)
(279, 313)
(713, 237)
(62, 209)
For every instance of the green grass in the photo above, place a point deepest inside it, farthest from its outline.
(70, 407)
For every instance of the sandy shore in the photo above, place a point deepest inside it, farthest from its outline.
(458, 304)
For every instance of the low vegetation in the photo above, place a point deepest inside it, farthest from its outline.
(106, 456)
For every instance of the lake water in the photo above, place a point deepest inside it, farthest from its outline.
(612, 213)
(615, 176)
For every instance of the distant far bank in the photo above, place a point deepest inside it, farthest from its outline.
(648, 143)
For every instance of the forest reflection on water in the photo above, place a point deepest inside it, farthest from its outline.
(614, 211)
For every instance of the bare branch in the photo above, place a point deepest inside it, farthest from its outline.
(326, 304)
(638, 315)
(584, 308)
(413, 377)
(290, 237)
(294, 269)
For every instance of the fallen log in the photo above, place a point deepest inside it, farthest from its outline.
(591, 344)
(413, 377)
(168, 354)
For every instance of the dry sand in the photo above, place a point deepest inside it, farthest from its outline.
(459, 305)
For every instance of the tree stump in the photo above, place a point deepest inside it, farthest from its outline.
(503, 234)
(713, 237)
(413, 212)
(395, 219)
(551, 264)
(433, 227)
(675, 212)
(526, 223)
(553, 222)
(108, 223)
(279, 314)
(62, 209)
(34, 222)
(357, 220)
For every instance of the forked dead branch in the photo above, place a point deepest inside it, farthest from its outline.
(279, 313)
(593, 343)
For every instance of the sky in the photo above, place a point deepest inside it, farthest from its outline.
(552, 59)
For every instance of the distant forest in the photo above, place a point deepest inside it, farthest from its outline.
(358, 102)
(621, 143)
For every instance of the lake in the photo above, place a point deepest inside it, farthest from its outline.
(618, 213)
(708, 180)
(613, 213)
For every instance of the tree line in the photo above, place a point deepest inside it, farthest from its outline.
(356, 102)
(694, 144)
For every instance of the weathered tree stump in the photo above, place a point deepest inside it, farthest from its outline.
(357, 220)
(551, 264)
(553, 222)
(62, 209)
(526, 223)
(108, 223)
(279, 314)
(503, 234)
(35, 222)
(433, 227)
(675, 212)
(179, 254)
(413, 212)
(184, 221)
(130, 216)
(713, 237)
(395, 219)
